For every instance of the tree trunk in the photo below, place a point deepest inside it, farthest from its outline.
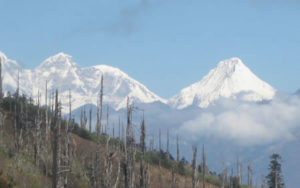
(130, 149)
(203, 166)
(178, 152)
(194, 166)
(143, 150)
(98, 129)
(56, 179)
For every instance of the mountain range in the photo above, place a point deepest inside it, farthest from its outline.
(230, 79)
(61, 72)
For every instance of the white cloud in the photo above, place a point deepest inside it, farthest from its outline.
(247, 123)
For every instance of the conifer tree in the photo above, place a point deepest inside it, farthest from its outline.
(275, 178)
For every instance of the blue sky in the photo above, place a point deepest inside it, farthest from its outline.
(164, 44)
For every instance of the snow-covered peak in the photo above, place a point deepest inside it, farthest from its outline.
(8, 62)
(10, 69)
(2, 56)
(117, 86)
(60, 61)
(231, 65)
(230, 79)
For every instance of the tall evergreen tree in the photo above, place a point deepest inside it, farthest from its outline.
(275, 178)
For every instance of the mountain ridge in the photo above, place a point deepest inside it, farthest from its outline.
(61, 72)
(230, 79)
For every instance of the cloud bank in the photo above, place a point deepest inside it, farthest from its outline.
(247, 124)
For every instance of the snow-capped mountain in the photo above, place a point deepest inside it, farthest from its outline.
(61, 72)
(230, 79)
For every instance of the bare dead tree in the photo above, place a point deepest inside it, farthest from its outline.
(231, 178)
(143, 150)
(239, 170)
(239, 173)
(168, 150)
(2, 121)
(224, 175)
(83, 118)
(151, 143)
(159, 140)
(178, 152)
(119, 128)
(159, 175)
(130, 150)
(46, 143)
(16, 120)
(249, 174)
(123, 138)
(109, 155)
(16, 127)
(2, 115)
(67, 143)
(194, 166)
(90, 121)
(52, 102)
(107, 119)
(119, 169)
(26, 128)
(37, 133)
(56, 177)
(1, 79)
(203, 166)
(148, 176)
(18, 85)
(20, 126)
(174, 178)
(47, 119)
(108, 164)
(98, 131)
(113, 131)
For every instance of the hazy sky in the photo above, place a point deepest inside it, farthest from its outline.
(164, 44)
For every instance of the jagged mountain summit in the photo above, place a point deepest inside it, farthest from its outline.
(230, 79)
(61, 72)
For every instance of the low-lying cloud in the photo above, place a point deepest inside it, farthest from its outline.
(247, 124)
